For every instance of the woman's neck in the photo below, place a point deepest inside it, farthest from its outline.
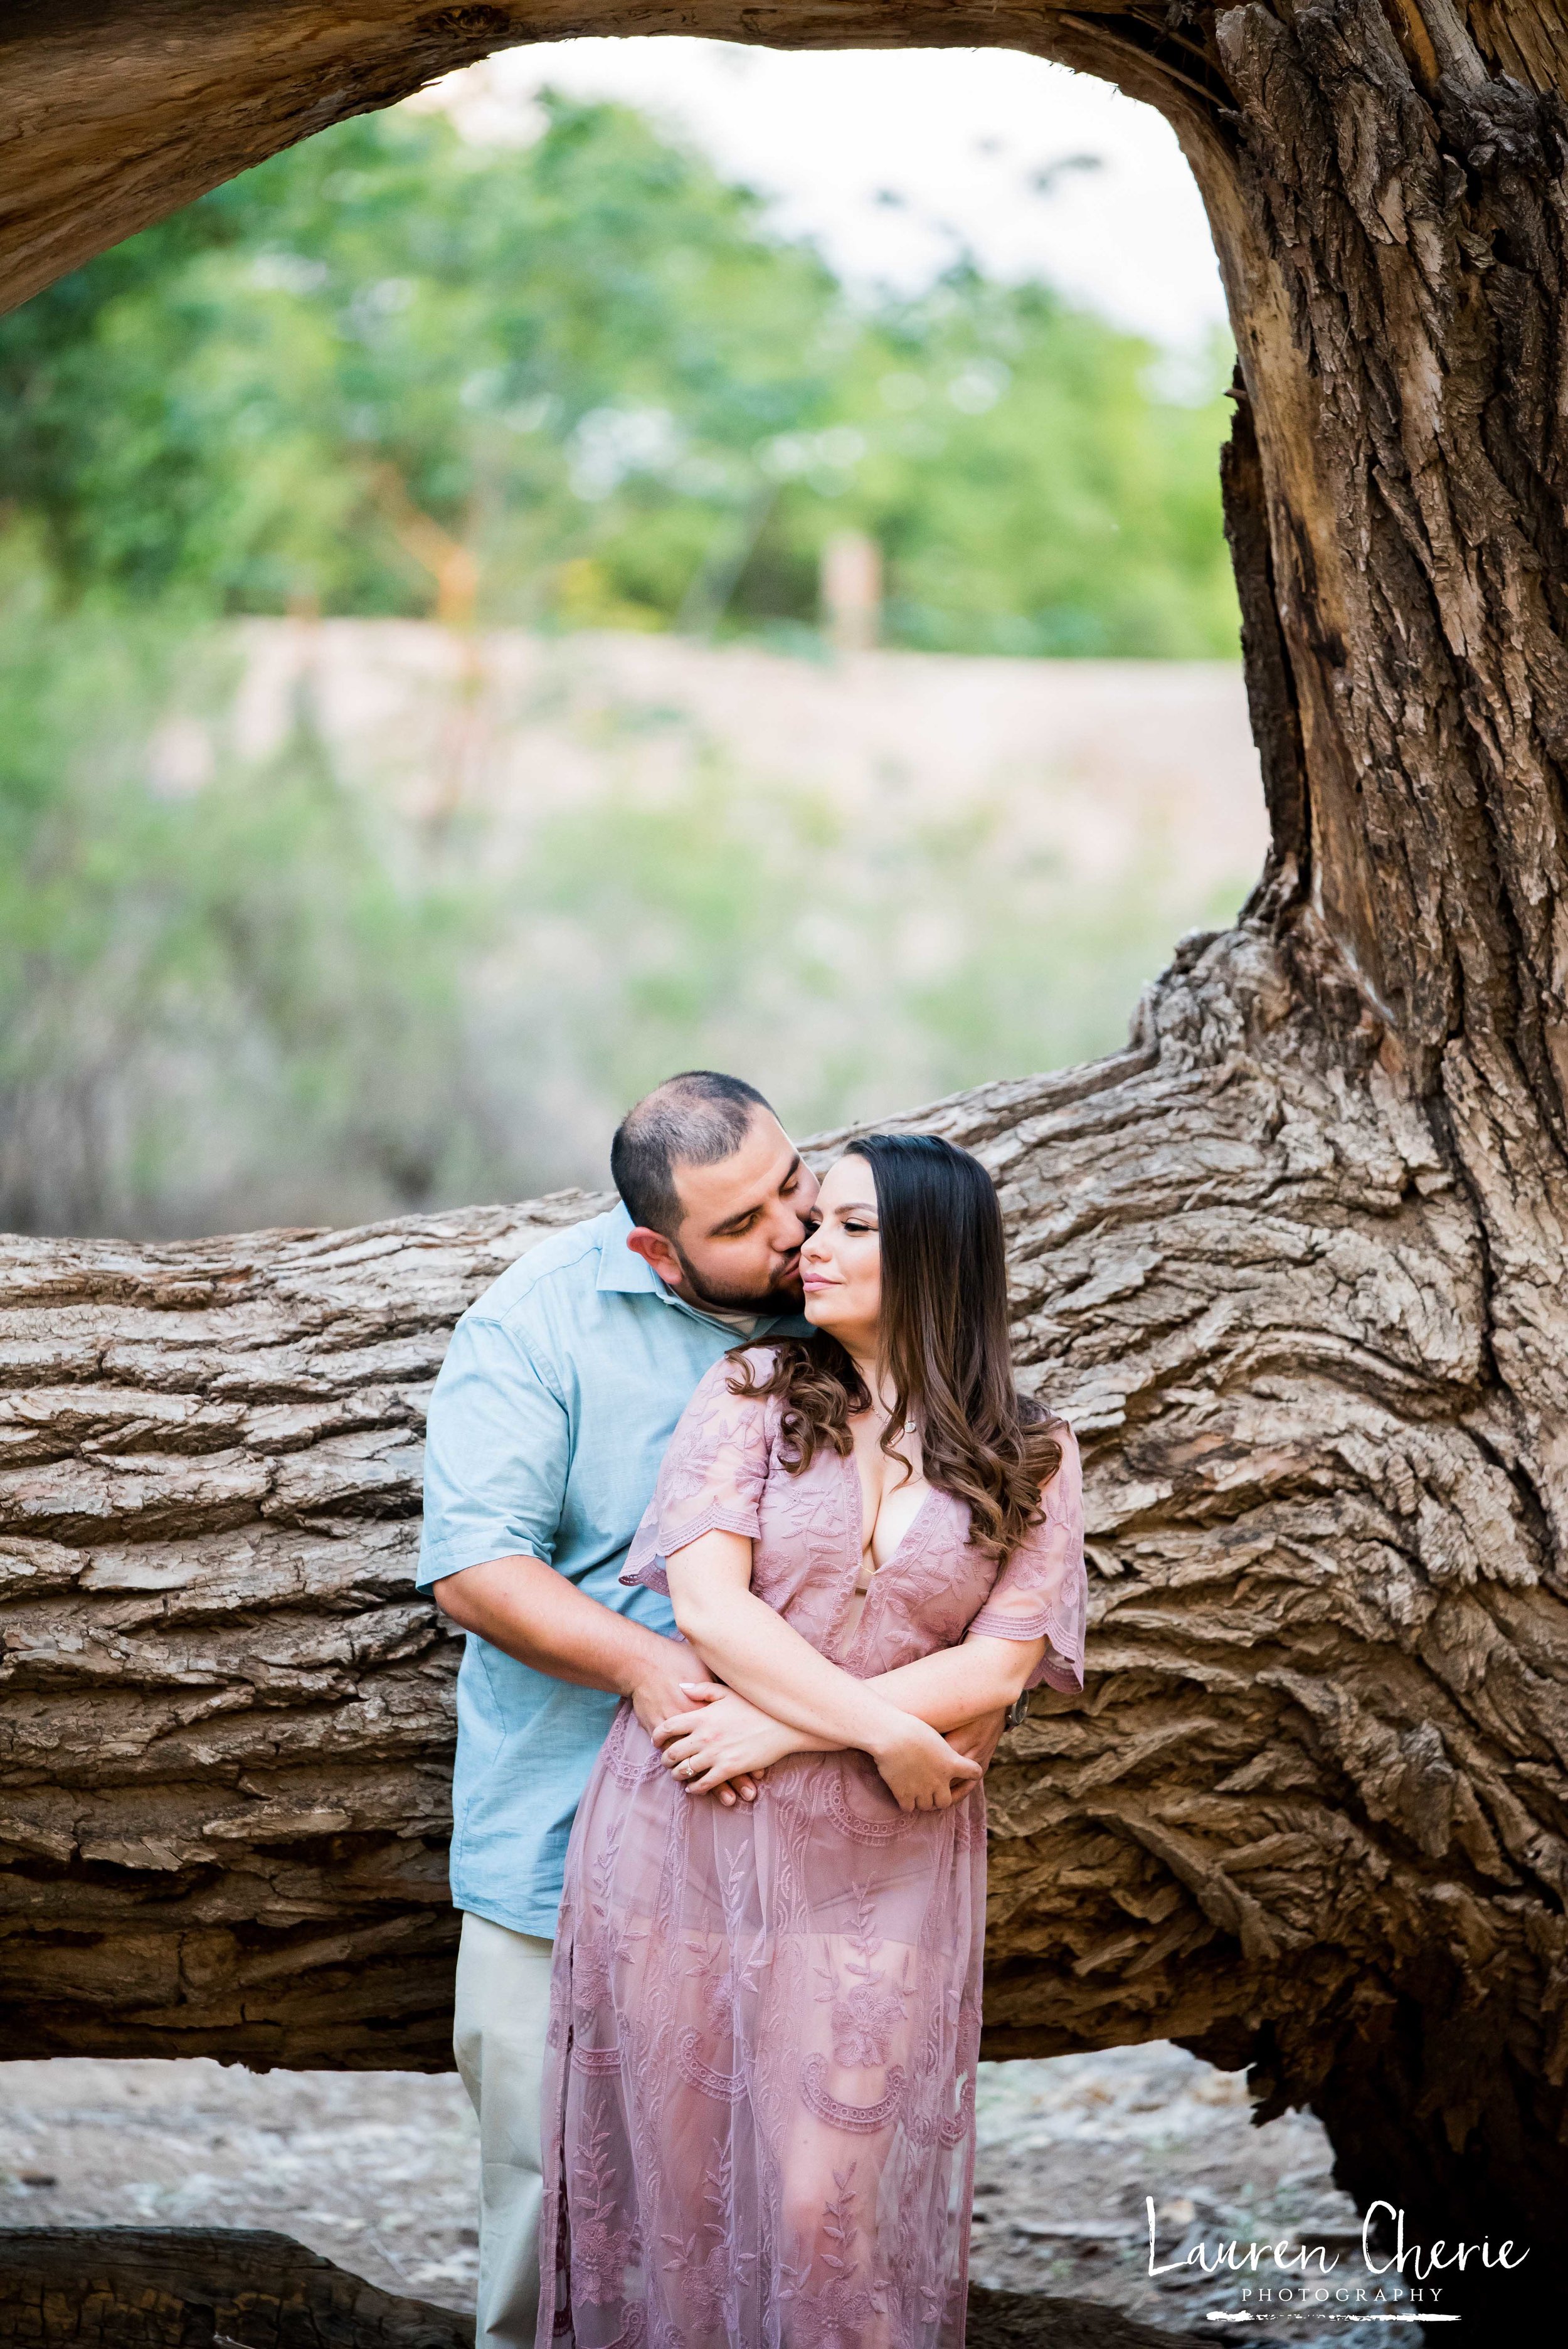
(866, 1362)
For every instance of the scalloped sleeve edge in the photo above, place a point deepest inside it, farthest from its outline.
(1061, 1666)
(651, 1573)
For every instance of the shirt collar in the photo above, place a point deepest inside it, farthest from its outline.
(620, 1269)
(619, 1266)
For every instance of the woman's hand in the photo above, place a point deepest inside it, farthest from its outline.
(921, 1771)
(724, 1738)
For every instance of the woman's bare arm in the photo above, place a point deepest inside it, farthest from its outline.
(747, 1644)
(982, 1676)
(963, 1692)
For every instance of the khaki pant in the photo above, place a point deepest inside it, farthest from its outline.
(498, 2037)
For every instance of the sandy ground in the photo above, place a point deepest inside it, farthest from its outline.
(378, 2171)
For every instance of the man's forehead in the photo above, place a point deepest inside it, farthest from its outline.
(749, 1176)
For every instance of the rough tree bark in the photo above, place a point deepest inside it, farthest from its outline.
(1296, 1263)
(177, 2287)
(183, 2287)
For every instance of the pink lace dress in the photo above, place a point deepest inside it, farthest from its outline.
(760, 2088)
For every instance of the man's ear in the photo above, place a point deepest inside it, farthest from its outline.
(656, 1251)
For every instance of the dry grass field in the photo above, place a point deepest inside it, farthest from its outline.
(384, 915)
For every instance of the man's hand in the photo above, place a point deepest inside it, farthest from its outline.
(656, 1693)
(977, 1740)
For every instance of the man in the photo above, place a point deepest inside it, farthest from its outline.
(557, 1398)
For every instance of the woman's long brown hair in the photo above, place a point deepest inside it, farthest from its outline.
(944, 1345)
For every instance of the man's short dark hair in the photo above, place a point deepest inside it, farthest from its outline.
(692, 1119)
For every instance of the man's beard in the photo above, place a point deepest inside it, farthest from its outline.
(785, 1298)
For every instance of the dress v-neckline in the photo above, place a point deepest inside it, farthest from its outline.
(860, 1530)
(855, 1607)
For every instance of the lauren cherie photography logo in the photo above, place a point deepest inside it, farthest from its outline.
(1390, 2277)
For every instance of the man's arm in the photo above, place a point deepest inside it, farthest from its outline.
(525, 1608)
(497, 1457)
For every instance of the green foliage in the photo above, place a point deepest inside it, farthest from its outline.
(587, 373)
(217, 988)
(579, 385)
(1032, 494)
(274, 986)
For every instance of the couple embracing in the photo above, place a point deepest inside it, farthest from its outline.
(718, 1836)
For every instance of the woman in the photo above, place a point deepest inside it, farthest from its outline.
(758, 2112)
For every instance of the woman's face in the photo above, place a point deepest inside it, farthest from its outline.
(840, 1261)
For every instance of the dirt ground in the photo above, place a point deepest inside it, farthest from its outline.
(378, 2172)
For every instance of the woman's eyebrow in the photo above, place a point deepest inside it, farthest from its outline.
(856, 1207)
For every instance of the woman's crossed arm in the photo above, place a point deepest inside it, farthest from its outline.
(781, 1696)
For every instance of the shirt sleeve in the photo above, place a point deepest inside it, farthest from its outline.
(497, 1452)
(711, 1479)
(1043, 1592)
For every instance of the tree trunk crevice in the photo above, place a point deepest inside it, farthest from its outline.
(1271, 689)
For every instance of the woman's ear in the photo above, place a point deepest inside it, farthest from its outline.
(656, 1252)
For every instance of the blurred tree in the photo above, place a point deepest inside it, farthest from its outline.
(584, 383)
(1031, 491)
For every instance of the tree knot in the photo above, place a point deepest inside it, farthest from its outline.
(487, 24)
(1500, 126)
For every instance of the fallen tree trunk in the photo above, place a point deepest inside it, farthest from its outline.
(226, 1739)
(1296, 1263)
(226, 1733)
(195, 2287)
(1324, 1654)
(186, 2287)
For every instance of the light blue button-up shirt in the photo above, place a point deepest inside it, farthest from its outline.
(559, 1391)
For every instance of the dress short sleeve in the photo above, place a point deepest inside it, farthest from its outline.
(711, 1480)
(1042, 1591)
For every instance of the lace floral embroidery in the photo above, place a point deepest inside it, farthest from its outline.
(629, 1755)
(742, 1999)
(1045, 1572)
(653, 1573)
(597, 2062)
(855, 1823)
(728, 2087)
(862, 2120)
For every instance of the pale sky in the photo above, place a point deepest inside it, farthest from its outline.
(957, 134)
